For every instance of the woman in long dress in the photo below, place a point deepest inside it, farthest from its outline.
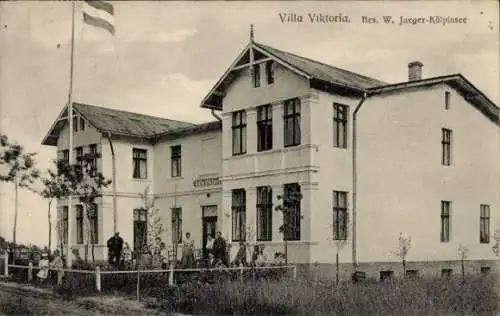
(188, 252)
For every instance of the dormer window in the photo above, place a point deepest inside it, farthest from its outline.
(270, 72)
(82, 123)
(256, 75)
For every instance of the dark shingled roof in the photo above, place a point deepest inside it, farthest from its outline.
(117, 122)
(323, 71)
(127, 123)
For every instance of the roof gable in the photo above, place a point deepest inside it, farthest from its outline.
(116, 122)
(255, 53)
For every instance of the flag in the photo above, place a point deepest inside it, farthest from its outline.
(99, 14)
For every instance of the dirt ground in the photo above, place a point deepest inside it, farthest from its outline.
(16, 299)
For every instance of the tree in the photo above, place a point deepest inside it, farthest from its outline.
(17, 167)
(463, 253)
(404, 246)
(154, 225)
(16, 164)
(84, 180)
(340, 241)
(55, 188)
(289, 208)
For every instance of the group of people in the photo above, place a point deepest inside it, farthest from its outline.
(48, 269)
(215, 253)
(255, 258)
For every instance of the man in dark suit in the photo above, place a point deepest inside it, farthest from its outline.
(115, 247)
(220, 248)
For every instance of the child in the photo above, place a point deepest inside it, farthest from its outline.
(43, 264)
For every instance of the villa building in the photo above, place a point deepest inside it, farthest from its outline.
(371, 160)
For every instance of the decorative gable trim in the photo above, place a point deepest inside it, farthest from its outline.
(213, 100)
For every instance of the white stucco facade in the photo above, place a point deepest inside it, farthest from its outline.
(400, 177)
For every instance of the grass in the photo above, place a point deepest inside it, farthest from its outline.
(476, 295)
(222, 293)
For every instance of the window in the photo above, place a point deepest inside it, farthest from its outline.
(446, 147)
(66, 155)
(264, 128)
(339, 215)
(484, 224)
(386, 275)
(292, 122)
(239, 133)
(446, 273)
(264, 213)
(93, 224)
(140, 163)
(256, 75)
(340, 113)
(140, 228)
(93, 163)
(82, 124)
(292, 216)
(64, 224)
(79, 224)
(238, 212)
(445, 221)
(270, 72)
(175, 154)
(75, 124)
(485, 270)
(176, 225)
(412, 274)
(447, 95)
(79, 156)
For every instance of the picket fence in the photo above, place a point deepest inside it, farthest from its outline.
(171, 272)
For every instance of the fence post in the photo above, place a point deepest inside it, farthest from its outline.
(6, 264)
(241, 272)
(59, 276)
(171, 275)
(98, 278)
(30, 271)
(295, 271)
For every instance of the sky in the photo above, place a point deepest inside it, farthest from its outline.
(166, 56)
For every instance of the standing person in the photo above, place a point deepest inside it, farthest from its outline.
(255, 255)
(163, 256)
(188, 252)
(220, 248)
(209, 246)
(109, 244)
(57, 264)
(115, 244)
(43, 264)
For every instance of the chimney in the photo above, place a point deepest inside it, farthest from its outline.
(415, 71)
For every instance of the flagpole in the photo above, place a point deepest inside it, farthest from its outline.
(70, 118)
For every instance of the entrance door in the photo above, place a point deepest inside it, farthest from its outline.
(140, 230)
(209, 224)
(209, 227)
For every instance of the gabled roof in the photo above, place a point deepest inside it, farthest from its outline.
(332, 79)
(321, 71)
(319, 74)
(116, 122)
